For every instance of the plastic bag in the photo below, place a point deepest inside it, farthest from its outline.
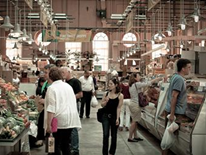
(94, 101)
(168, 138)
(173, 127)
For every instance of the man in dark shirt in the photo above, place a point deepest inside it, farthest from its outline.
(76, 85)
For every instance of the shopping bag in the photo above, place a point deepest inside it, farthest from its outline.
(94, 101)
(168, 138)
(50, 144)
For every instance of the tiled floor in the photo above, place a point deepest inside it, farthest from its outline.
(91, 141)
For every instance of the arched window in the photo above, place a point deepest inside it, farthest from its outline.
(129, 37)
(74, 49)
(101, 48)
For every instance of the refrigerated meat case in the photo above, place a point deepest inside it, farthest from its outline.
(191, 139)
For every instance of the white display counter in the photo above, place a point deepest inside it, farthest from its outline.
(191, 139)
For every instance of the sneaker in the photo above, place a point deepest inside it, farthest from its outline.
(127, 129)
(132, 140)
(88, 117)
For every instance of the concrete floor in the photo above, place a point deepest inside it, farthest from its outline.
(91, 137)
(91, 140)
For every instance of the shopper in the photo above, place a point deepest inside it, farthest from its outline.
(112, 102)
(76, 86)
(40, 131)
(39, 85)
(88, 91)
(125, 112)
(15, 79)
(134, 89)
(60, 103)
(58, 63)
(177, 96)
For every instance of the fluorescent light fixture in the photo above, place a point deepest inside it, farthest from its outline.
(60, 17)
(118, 18)
(141, 17)
(60, 14)
(33, 17)
(33, 14)
(116, 15)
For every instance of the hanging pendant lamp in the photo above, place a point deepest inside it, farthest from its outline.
(24, 37)
(133, 62)
(17, 31)
(7, 25)
(182, 23)
(30, 40)
(15, 46)
(196, 15)
(169, 29)
(125, 62)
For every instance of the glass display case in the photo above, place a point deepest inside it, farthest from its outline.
(191, 139)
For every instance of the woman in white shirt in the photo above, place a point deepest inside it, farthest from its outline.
(60, 102)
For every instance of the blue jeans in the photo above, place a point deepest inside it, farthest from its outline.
(75, 140)
(109, 122)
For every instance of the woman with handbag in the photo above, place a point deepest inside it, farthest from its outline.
(135, 110)
(112, 102)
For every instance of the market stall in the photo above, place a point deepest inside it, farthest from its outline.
(15, 108)
(192, 132)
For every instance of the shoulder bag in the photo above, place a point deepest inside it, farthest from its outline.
(142, 98)
(101, 112)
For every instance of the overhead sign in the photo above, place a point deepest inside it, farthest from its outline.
(73, 35)
(29, 3)
(129, 22)
(152, 3)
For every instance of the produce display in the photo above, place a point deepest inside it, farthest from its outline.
(14, 110)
